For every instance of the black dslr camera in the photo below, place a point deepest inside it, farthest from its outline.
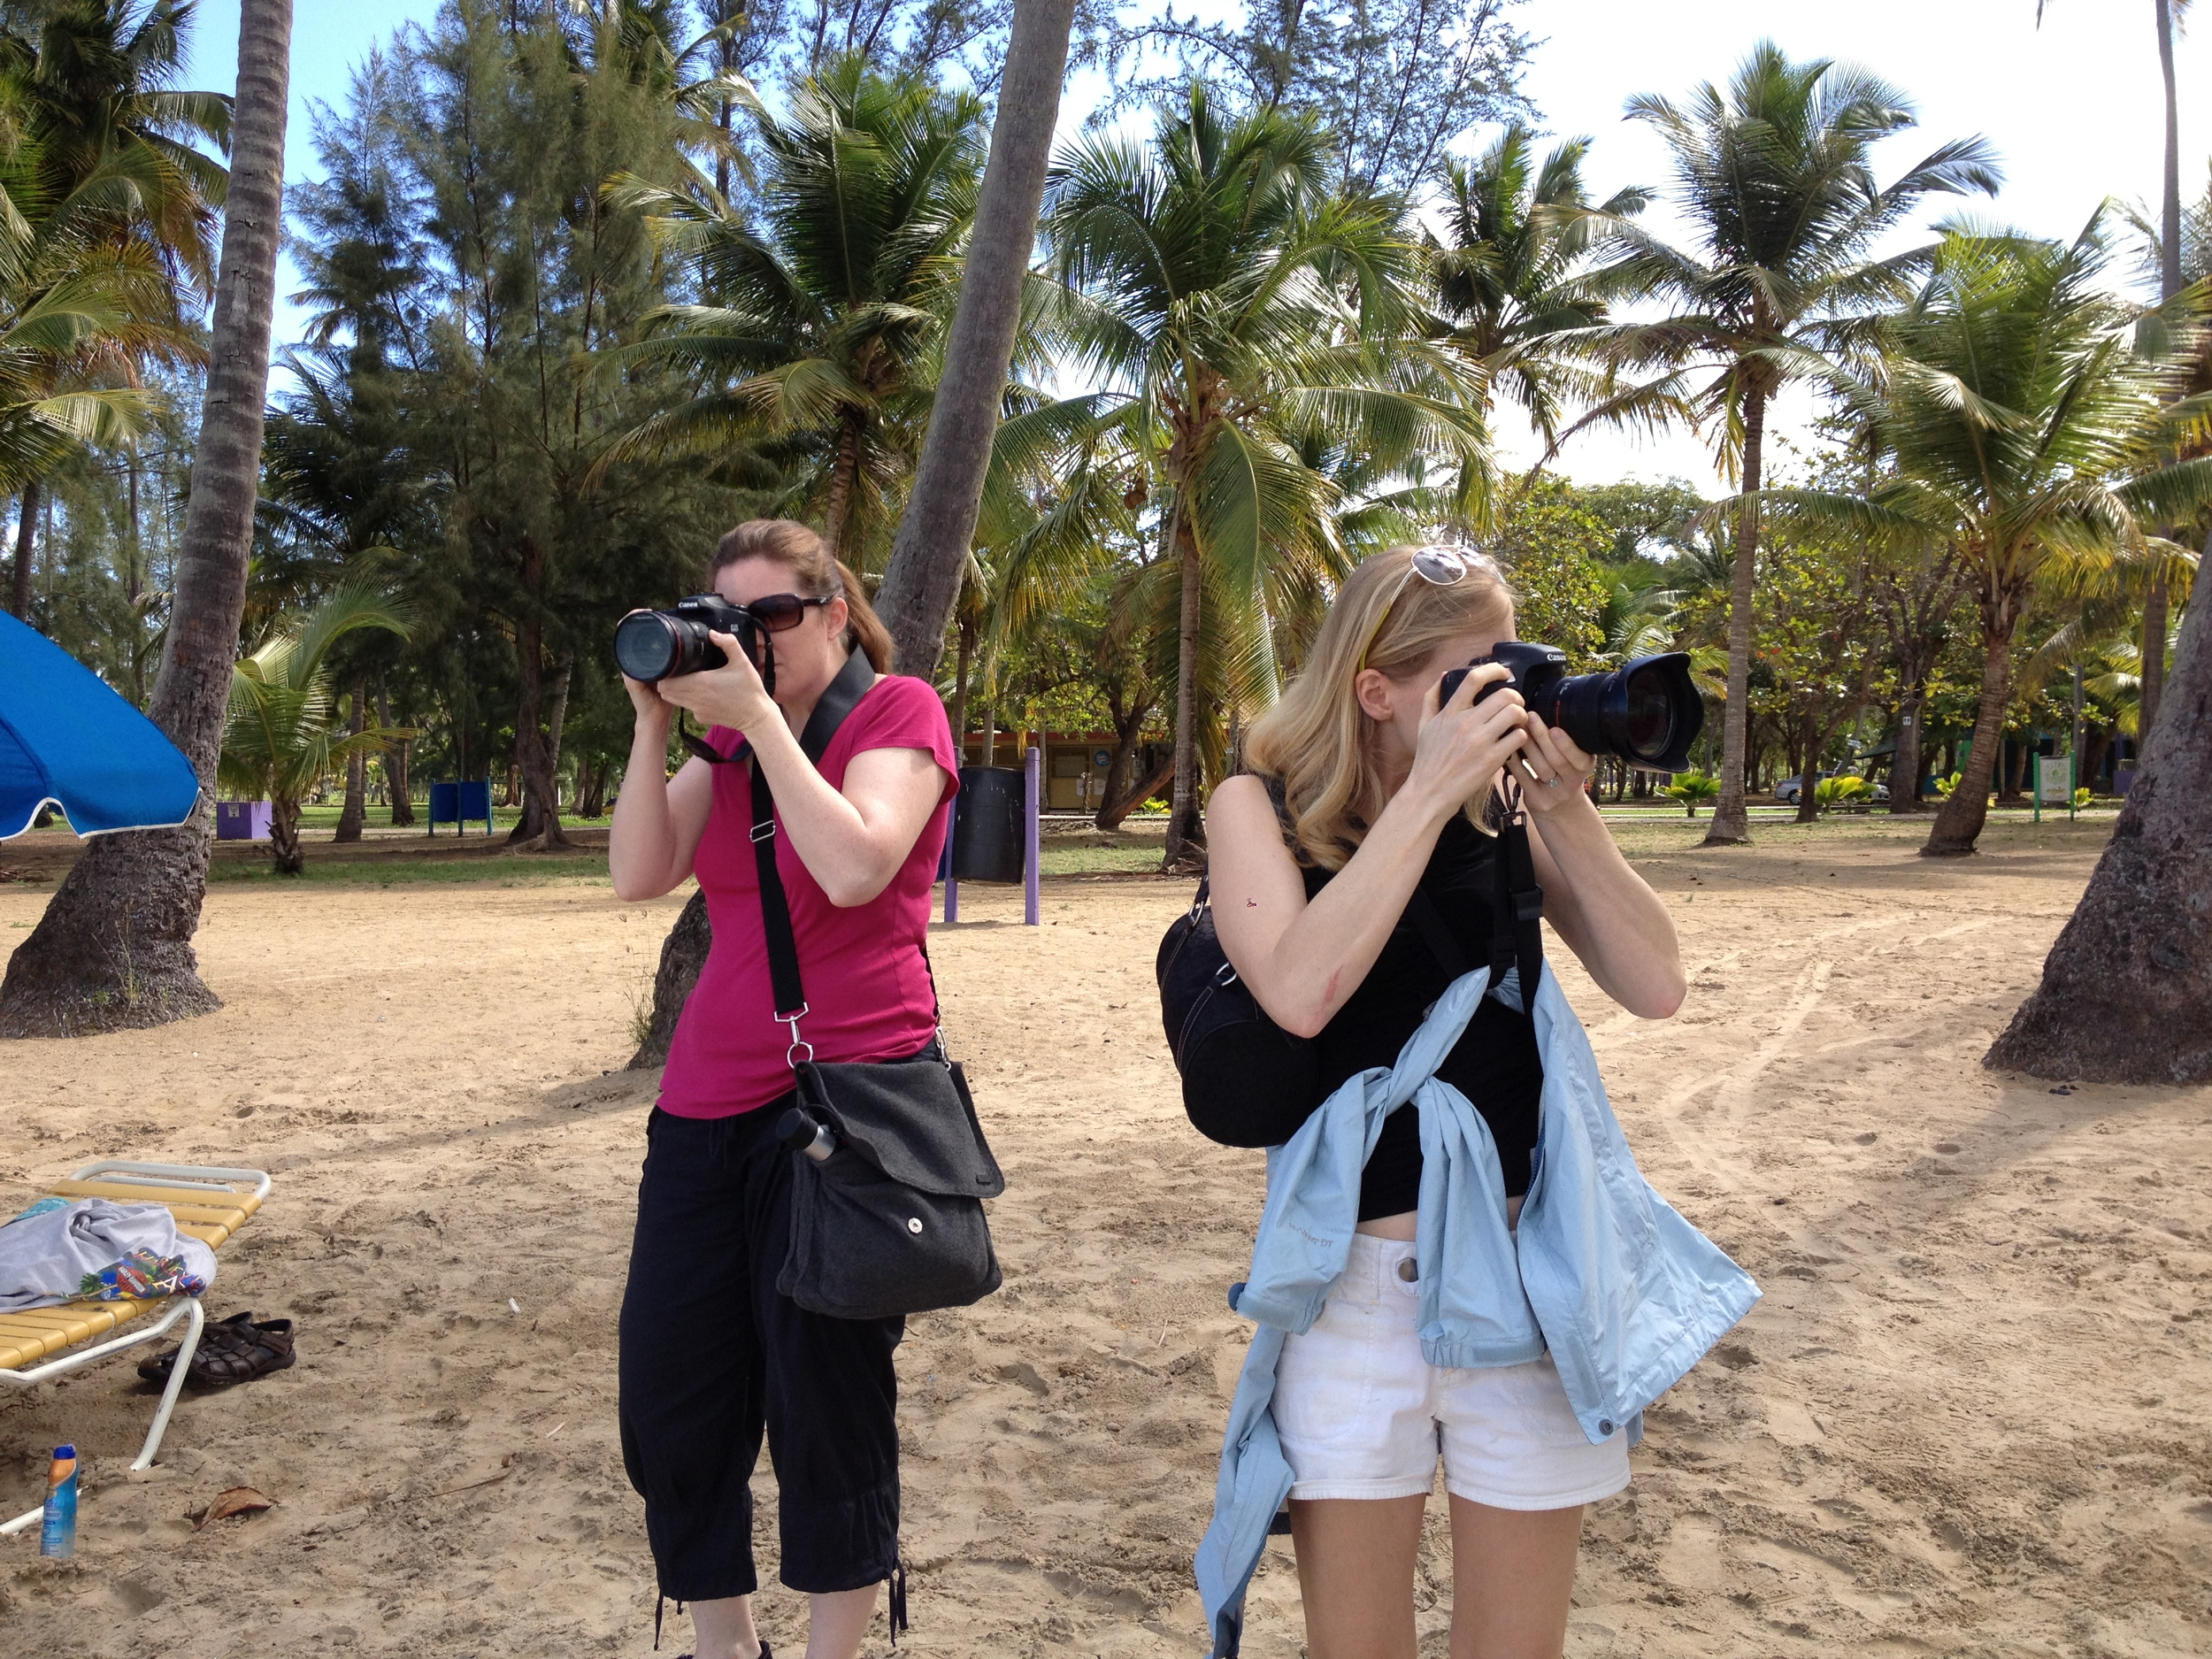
(1648, 714)
(656, 645)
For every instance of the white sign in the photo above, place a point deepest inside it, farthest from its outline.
(2055, 780)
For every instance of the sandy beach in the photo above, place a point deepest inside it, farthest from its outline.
(1967, 1419)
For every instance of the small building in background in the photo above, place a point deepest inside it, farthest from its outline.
(1075, 764)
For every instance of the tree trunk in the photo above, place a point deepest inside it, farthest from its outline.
(1904, 761)
(356, 812)
(25, 539)
(1118, 808)
(1959, 824)
(289, 857)
(395, 760)
(1810, 739)
(2154, 678)
(958, 715)
(2169, 224)
(844, 472)
(539, 825)
(113, 949)
(2126, 993)
(1731, 822)
(558, 722)
(921, 584)
(683, 953)
(1128, 727)
(1185, 827)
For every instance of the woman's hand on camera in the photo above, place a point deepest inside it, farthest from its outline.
(1551, 768)
(730, 695)
(647, 704)
(1462, 745)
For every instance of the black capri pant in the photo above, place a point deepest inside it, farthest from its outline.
(711, 1352)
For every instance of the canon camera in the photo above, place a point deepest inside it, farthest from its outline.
(656, 645)
(1648, 714)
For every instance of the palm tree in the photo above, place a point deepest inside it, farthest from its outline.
(1256, 329)
(1775, 173)
(2024, 420)
(818, 334)
(114, 948)
(922, 584)
(1514, 277)
(283, 730)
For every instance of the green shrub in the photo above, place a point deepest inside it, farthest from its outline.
(1689, 788)
(1840, 791)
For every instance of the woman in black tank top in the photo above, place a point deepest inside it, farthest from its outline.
(1387, 803)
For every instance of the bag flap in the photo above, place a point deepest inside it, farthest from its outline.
(912, 1119)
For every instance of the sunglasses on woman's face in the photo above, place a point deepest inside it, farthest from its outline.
(780, 613)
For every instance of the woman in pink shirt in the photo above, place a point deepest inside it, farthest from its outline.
(857, 841)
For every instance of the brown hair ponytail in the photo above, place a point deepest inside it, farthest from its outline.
(802, 552)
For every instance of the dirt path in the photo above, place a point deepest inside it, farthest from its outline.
(1967, 1419)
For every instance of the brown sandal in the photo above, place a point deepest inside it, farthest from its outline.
(242, 1352)
(154, 1368)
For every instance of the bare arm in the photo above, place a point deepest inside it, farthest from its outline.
(1303, 960)
(851, 842)
(657, 820)
(1603, 909)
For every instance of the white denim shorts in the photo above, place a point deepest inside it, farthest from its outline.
(1361, 1415)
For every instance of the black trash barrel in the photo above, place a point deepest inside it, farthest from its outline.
(987, 840)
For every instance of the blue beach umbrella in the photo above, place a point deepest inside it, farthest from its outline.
(67, 738)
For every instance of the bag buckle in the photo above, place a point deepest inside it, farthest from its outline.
(792, 1056)
(763, 830)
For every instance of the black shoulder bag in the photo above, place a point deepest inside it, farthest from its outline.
(1241, 1071)
(889, 1166)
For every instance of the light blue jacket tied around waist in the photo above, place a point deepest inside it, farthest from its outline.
(1601, 1271)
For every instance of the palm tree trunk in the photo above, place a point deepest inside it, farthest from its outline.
(2126, 993)
(1904, 761)
(290, 856)
(396, 778)
(1732, 823)
(26, 535)
(356, 812)
(1959, 824)
(1809, 735)
(959, 710)
(921, 584)
(114, 948)
(843, 472)
(1186, 827)
(2154, 676)
(2170, 227)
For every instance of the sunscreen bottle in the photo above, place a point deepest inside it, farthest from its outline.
(57, 1527)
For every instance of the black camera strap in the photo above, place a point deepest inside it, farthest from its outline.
(1517, 910)
(843, 696)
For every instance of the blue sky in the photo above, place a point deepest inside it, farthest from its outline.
(2073, 108)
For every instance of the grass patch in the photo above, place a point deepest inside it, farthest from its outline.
(515, 870)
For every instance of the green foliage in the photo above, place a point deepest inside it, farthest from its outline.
(1549, 541)
(823, 302)
(1948, 787)
(1691, 788)
(1840, 791)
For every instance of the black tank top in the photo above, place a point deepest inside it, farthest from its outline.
(1494, 1063)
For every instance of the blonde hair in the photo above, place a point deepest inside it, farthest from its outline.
(1318, 740)
(804, 554)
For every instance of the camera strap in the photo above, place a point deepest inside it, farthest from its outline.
(843, 696)
(1517, 910)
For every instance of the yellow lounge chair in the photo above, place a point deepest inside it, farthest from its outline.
(38, 1344)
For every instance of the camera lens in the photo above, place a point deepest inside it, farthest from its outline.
(645, 646)
(1649, 715)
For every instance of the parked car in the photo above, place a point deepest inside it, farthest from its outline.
(1787, 791)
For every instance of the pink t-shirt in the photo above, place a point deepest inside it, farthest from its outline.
(866, 979)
